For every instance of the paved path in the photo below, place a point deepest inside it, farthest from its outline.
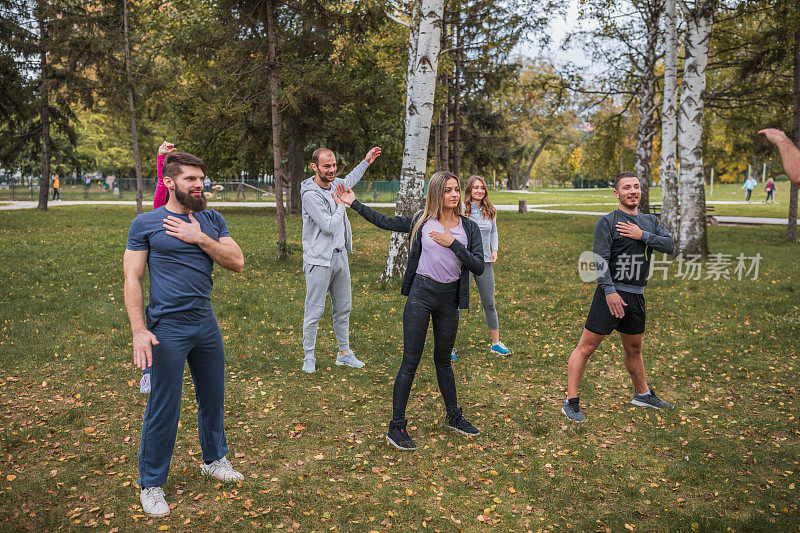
(540, 208)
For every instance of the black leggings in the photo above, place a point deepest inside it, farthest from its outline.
(428, 300)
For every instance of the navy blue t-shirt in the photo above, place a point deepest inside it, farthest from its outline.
(180, 273)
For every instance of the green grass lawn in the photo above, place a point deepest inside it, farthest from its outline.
(312, 446)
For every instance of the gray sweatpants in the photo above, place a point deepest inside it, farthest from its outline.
(333, 280)
(485, 283)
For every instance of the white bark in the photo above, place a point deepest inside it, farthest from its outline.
(693, 229)
(669, 122)
(423, 60)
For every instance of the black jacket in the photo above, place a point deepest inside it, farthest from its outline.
(471, 259)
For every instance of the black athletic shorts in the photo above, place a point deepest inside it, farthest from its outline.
(602, 322)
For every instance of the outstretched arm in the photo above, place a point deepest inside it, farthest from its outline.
(160, 197)
(345, 196)
(790, 155)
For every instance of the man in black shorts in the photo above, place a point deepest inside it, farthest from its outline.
(624, 241)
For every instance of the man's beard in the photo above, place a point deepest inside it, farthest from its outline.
(194, 203)
(325, 179)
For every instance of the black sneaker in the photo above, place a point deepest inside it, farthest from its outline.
(572, 410)
(398, 437)
(458, 423)
(650, 400)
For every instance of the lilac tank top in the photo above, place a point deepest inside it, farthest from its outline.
(438, 262)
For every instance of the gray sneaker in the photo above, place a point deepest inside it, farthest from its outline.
(572, 410)
(349, 359)
(650, 400)
(309, 365)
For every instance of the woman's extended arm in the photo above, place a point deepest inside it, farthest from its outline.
(346, 196)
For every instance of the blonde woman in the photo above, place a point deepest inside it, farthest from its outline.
(445, 248)
(480, 210)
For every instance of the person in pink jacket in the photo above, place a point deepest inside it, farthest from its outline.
(159, 198)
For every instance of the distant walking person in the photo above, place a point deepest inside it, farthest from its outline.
(327, 239)
(159, 199)
(445, 246)
(56, 188)
(749, 184)
(790, 154)
(179, 243)
(480, 210)
(624, 241)
(770, 188)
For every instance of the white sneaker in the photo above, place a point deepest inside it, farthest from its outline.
(222, 470)
(309, 365)
(153, 501)
(144, 384)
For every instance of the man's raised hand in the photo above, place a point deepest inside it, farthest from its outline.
(343, 195)
(165, 148)
(190, 232)
(775, 136)
(373, 154)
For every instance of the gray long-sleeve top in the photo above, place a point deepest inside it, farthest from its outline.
(627, 260)
(321, 219)
(488, 231)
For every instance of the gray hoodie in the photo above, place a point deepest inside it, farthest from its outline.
(320, 219)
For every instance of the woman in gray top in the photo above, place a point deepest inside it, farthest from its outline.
(480, 210)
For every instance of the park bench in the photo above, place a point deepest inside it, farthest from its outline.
(655, 209)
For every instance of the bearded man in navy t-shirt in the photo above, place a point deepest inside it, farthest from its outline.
(179, 243)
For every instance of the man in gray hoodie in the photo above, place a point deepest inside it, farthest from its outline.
(327, 239)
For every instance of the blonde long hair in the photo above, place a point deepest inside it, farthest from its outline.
(489, 210)
(435, 199)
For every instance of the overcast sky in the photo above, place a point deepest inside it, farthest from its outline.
(558, 29)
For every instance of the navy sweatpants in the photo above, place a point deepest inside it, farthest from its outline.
(199, 344)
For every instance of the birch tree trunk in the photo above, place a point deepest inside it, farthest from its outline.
(651, 13)
(693, 228)
(669, 122)
(791, 230)
(276, 129)
(132, 108)
(423, 59)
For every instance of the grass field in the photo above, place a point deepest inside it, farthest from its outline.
(312, 446)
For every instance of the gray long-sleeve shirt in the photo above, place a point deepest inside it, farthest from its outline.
(623, 263)
(488, 231)
(322, 219)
